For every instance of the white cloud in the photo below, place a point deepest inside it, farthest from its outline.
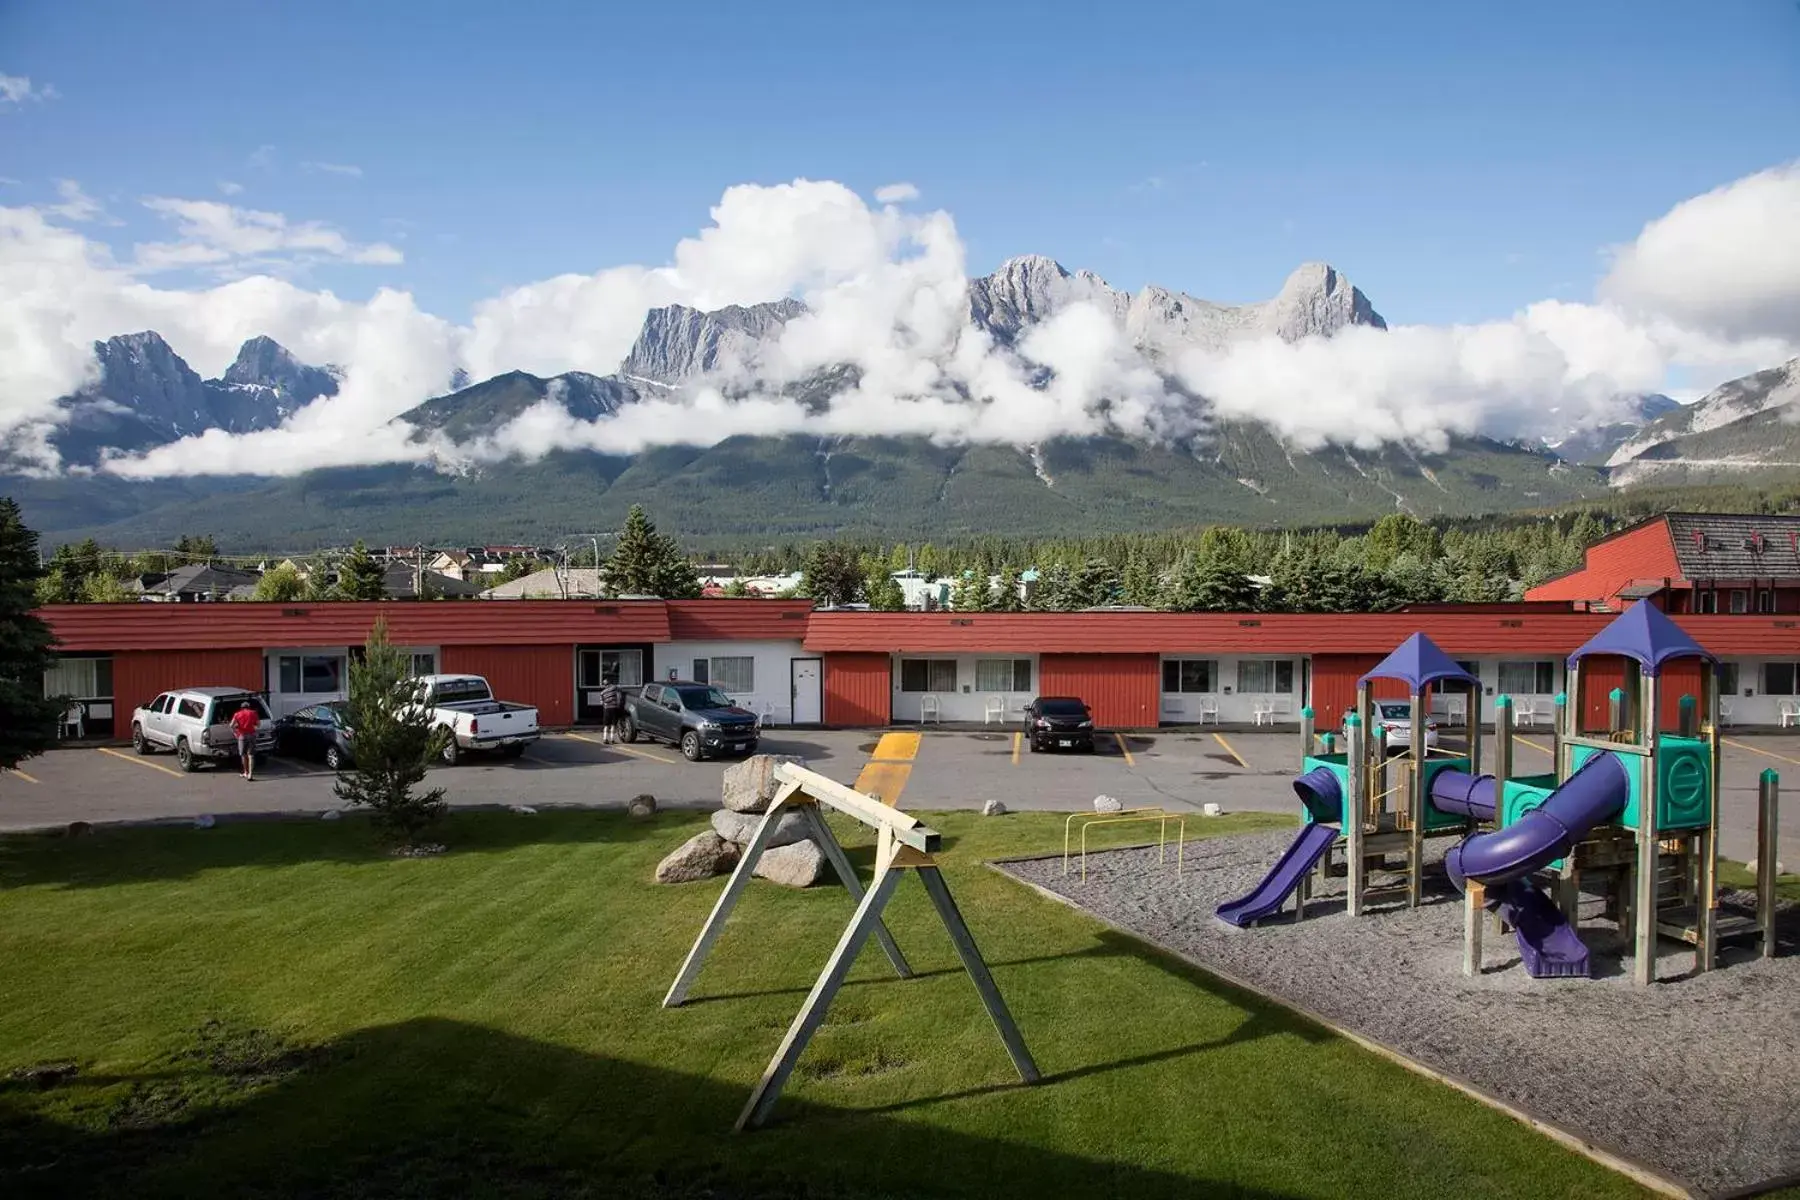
(896, 193)
(327, 168)
(1725, 264)
(18, 89)
(886, 292)
(76, 205)
(231, 189)
(262, 158)
(221, 237)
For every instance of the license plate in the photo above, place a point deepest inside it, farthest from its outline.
(1064, 742)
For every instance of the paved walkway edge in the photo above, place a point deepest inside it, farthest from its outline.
(1648, 1177)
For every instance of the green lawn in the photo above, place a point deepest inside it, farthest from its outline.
(278, 1008)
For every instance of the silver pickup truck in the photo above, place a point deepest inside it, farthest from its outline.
(465, 708)
(697, 717)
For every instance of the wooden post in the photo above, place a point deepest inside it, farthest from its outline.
(1356, 874)
(1306, 732)
(846, 873)
(1415, 804)
(1474, 906)
(1768, 827)
(977, 968)
(1643, 908)
(1706, 902)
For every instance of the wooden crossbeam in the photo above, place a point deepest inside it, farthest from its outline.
(866, 809)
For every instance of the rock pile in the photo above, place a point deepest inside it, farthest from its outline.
(792, 859)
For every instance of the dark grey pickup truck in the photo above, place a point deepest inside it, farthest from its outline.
(699, 718)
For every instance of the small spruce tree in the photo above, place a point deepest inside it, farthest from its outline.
(392, 739)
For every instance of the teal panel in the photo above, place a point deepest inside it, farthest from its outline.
(1340, 766)
(1518, 797)
(1433, 818)
(1684, 783)
(1634, 775)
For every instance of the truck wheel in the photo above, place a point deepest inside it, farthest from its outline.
(451, 753)
(690, 746)
(139, 742)
(184, 756)
(628, 731)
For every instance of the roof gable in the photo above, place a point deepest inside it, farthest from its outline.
(1736, 546)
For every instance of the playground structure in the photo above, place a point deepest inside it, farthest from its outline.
(903, 844)
(1630, 815)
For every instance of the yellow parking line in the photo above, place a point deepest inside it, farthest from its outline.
(1238, 758)
(889, 767)
(897, 747)
(21, 775)
(1124, 749)
(1018, 740)
(582, 737)
(142, 762)
(1759, 750)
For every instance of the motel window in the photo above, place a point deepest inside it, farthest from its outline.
(80, 679)
(734, 676)
(1728, 678)
(311, 674)
(624, 667)
(928, 674)
(1266, 676)
(1765, 601)
(1190, 675)
(1778, 679)
(1003, 674)
(1706, 602)
(424, 664)
(1528, 678)
(1740, 600)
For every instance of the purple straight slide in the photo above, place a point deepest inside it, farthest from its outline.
(1283, 878)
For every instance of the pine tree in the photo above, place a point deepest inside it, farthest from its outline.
(282, 583)
(393, 740)
(1053, 592)
(971, 592)
(1095, 584)
(833, 575)
(28, 718)
(1010, 596)
(884, 592)
(737, 590)
(648, 563)
(1209, 585)
(360, 577)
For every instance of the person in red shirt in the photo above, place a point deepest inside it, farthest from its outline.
(244, 723)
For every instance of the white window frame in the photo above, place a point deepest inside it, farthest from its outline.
(1274, 666)
(933, 668)
(1017, 671)
(730, 662)
(1211, 668)
(1537, 666)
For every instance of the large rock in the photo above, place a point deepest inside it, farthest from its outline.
(993, 808)
(641, 807)
(700, 857)
(750, 786)
(798, 865)
(1108, 804)
(741, 827)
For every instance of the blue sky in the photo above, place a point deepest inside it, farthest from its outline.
(1457, 160)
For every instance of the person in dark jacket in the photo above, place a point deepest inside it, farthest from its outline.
(612, 705)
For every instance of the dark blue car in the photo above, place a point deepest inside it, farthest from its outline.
(320, 732)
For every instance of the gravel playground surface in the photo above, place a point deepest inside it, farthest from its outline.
(1697, 1077)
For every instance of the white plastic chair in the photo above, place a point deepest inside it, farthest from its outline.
(76, 719)
(1527, 712)
(994, 710)
(1262, 712)
(1209, 709)
(1790, 713)
(1724, 712)
(929, 709)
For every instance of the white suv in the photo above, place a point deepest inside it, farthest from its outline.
(196, 724)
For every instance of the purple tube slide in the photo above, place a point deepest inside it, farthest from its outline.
(1591, 795)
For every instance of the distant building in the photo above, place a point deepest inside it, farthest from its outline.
(552, 583)
(1689, 563)
(198, 582)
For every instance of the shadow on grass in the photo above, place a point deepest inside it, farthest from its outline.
(110, 856)
(434, 1107)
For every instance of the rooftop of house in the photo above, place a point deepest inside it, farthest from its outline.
(1736, 546)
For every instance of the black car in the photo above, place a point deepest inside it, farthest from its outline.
(1061, 721)
(319, 732)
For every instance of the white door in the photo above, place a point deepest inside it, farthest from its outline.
(808, 692)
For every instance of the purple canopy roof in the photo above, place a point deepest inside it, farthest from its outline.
(1642, 632)
(1419, 662)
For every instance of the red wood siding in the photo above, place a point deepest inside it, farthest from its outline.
(139, 677)
(738, 620)
(1124, 690)
(858, 690)
(1642, 554)
(235, 625)
(1334, 679)
(541, 676)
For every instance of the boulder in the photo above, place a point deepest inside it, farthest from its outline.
(641, 807)
(1211, 810)
(741, 827)
(203, 821)
(797, 864)
(1108, 804)
(331, 814)
(993, 808)
(700, 857)
(749, 786)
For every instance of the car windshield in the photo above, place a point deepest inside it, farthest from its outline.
(696, 698)
(1062, 708)
(337, 713)
(1396, 712)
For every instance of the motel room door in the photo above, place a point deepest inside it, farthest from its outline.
(807, 676)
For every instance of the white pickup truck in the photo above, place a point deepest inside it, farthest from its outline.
(465, 707)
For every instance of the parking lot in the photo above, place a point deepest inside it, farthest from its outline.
(1179, 769)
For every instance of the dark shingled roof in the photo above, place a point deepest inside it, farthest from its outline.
(1711, 546)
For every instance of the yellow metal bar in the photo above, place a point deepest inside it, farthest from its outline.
(1162, 835)
(1069, 823)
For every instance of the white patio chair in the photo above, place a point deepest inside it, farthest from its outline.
(1208, 710)
(994, 709)
(1262, 712)
(74, 719)
(930, 709)
(1725, 717)
(1790, 713)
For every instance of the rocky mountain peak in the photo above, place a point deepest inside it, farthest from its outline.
(1317, 300)
(678, 343)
